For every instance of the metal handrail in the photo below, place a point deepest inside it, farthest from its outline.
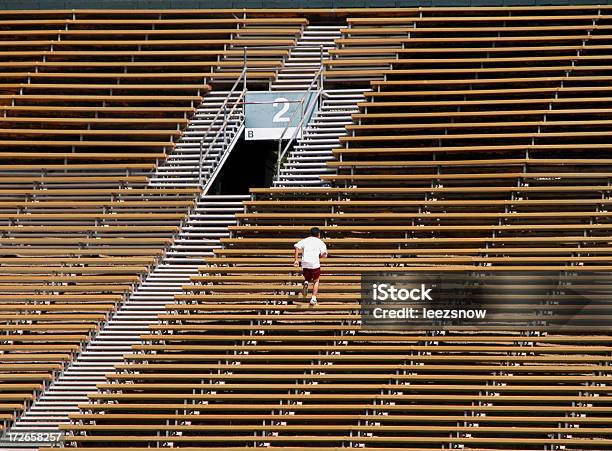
(317, 80)
(223, 107)
(222, 128)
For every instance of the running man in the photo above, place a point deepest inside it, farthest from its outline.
(312, 249)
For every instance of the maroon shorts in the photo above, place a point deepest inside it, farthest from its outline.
(311, 274)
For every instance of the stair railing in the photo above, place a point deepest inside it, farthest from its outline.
(315, 87)
(226, 138)
(222, 122)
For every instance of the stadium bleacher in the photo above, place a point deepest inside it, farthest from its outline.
(483, 144)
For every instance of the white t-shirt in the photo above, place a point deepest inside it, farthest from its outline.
(311, 248)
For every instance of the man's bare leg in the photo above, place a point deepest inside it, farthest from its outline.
(315, 290)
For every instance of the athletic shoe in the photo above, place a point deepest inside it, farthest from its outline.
(305, 289)
(313, 301)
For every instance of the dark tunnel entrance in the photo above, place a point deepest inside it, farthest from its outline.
(250, 164)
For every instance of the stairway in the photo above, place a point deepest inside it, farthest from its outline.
(305, 58)
(199, 235)
(200, 232)
(306, 161)
(181, 168)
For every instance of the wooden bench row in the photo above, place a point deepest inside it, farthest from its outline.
(157, 21)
